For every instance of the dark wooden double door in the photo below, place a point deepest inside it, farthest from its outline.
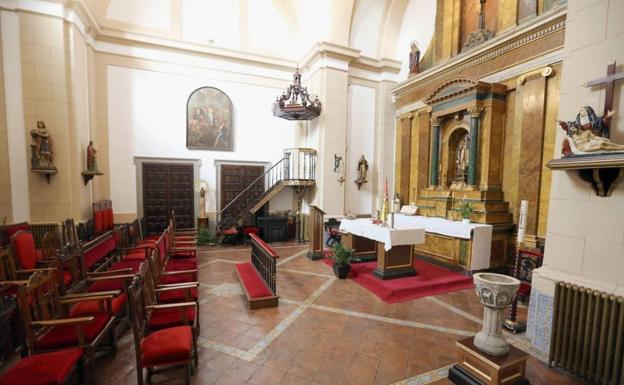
(166, 187)
(234, 180)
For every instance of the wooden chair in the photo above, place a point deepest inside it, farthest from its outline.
(332, 228)
(66, 260)
(184, 281)
(189, 232)
(24, 259)
(161, 350)
(46, 326)
(163, 315)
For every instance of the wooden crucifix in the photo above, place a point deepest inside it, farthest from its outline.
(609, 83)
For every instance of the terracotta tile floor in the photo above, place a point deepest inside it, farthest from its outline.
(325, 331)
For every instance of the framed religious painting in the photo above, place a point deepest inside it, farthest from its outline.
(209, 120)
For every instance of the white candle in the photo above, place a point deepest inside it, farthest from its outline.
(524, 208)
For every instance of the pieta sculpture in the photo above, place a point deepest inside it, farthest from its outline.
(586, 135)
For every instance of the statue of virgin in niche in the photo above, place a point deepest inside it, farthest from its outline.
(461, 158)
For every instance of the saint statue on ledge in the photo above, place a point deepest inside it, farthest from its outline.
(362, 170)
(91, 157)
(414, 59)
(587, 134)
(42, 156)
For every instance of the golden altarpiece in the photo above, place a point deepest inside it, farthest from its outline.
(478, 123)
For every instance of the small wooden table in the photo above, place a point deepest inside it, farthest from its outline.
(393, 246)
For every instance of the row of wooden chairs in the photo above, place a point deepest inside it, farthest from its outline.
(72, 325)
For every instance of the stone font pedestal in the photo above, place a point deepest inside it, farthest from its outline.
(476, 368)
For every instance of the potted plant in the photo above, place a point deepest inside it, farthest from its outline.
(205, 237)
(342, 260)
(465, 209)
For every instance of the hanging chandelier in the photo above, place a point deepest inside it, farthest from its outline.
(295, 103)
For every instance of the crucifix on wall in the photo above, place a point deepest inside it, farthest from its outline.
(609, 83)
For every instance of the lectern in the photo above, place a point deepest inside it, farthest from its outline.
(316, 233)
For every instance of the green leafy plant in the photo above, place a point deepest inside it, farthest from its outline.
(465, 209)
(341, 255)
(205, 236)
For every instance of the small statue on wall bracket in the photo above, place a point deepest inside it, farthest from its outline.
(338, 166)
(586, 134)
(42, 155)
(91, 157)
(362, 170)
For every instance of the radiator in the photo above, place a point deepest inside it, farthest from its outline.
(588, 334)
(40, 229)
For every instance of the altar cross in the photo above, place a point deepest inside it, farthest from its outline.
(609, 83)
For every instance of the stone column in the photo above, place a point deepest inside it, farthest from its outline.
(435, 152)
(475, 125)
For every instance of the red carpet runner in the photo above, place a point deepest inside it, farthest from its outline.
(431, 280)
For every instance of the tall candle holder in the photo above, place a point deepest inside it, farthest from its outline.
(511, 323)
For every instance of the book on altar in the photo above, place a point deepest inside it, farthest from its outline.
(409, 210)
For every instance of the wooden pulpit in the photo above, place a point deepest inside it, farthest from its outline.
(316, 233)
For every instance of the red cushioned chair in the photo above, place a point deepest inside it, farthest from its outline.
(173, 286)
(164, 315)
(165, 349)
(25, 260)
(25, 251)
(7, 231)
(47, 328)
(53, 368)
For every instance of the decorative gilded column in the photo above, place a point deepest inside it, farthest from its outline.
(435, 152)
(475, 125)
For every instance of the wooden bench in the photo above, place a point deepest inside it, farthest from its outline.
(258, 277)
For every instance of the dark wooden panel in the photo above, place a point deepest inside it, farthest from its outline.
(168, 187)
(235, 179)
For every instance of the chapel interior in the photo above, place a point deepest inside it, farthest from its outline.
(312, 192)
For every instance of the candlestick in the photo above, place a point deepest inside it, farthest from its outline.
(524, 209)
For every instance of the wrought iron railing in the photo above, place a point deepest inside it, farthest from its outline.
(264, 260)
(298, 164)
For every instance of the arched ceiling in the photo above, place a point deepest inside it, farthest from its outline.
(280, 28)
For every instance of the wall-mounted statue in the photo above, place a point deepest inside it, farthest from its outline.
(91, 157)
(362, 169)
(338, 167)
(584, 135)
(414, 59)
(42, 155)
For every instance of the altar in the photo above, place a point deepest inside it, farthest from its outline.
(467, 245)
(394, 246)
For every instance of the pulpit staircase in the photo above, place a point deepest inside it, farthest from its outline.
(297, 169)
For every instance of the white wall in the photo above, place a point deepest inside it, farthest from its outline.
(585, 234)
(360, 141)
(365, 26)
(147, 118)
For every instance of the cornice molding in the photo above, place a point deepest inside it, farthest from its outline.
(539, 28)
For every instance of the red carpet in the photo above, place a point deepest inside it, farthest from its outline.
(431, 280)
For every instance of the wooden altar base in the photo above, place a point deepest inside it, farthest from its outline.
(365, 249)
(395, 263)
(477, 368)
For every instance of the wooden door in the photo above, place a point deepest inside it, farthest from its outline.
(166, 187)
(235, 179)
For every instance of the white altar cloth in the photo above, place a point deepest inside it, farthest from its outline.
(480, 234)
(388, 236)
